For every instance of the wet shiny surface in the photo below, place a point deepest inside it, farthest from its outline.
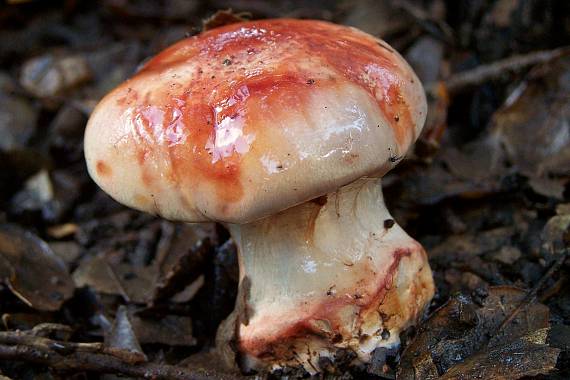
(216, 111)
(351, 55)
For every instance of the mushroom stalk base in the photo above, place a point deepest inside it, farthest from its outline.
(324, 278)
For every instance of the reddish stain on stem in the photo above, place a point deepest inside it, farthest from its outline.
(328, 311)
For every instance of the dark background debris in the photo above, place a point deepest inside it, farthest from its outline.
(89, 289)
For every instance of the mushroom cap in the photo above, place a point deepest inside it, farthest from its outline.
(249, 119)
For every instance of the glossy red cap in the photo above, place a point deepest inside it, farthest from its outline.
(249, 119)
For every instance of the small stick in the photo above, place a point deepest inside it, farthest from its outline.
(531, 296)
(92, 357)
(117, 281)
(463, 80)
(29, 339)
(553, 290)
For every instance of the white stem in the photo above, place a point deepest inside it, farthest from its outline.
(330, 274)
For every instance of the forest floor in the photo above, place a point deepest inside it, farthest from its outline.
(90, 289)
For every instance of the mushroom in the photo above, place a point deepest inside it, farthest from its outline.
(281, 131)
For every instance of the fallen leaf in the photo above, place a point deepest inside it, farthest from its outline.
(171, 330)
(48, 75)
(465, 333)
(31, 270)
(122, 339)
(428, 143)
(534, 125)
(465, 246)
(507, 255)
(178, 261)
(430, 185)
(525, 356)
(549, 187)
(68, 251)
(182, 257)
(480, 160)
(37, 191)
(17, 122)
(134, 284)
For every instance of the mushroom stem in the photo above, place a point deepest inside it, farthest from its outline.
(332, 275)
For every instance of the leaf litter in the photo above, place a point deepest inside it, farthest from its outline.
(485, 192)
(463, 340)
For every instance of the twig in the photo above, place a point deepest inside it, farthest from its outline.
(45, 329)
(93, 357)
(484, 73)
(531, 296)
(30, 338)
(553, 290)
(117, 281)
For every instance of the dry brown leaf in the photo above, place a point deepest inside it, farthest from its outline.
(466, 246)
(180, 255)
(465, 333)
(525, 356)
(171, 330)
(534, 126)
(182, 258)
(122, 339)
(31, 270)
(132, 283)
